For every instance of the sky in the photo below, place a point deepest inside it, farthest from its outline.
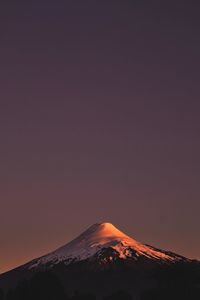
(99, 121)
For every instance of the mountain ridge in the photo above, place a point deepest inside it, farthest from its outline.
(98, 237)
(101, 256)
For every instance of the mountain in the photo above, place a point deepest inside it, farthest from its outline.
(102, 259)
(92, 242)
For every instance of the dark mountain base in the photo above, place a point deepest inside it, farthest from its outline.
(178, 281)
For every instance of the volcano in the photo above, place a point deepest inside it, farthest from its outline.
(101, 256)
(96, 240)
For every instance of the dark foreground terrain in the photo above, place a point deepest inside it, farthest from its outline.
(178, 281)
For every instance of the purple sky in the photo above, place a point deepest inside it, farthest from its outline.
(99, 121)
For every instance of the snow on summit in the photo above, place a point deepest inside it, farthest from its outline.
(98, 237)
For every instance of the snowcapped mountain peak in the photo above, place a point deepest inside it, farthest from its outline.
(99, 235)
(97, 238)
(103, 232)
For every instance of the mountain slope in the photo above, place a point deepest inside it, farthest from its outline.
(97, 238)
(101, 256)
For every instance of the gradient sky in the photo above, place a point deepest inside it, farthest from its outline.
(99, 121)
